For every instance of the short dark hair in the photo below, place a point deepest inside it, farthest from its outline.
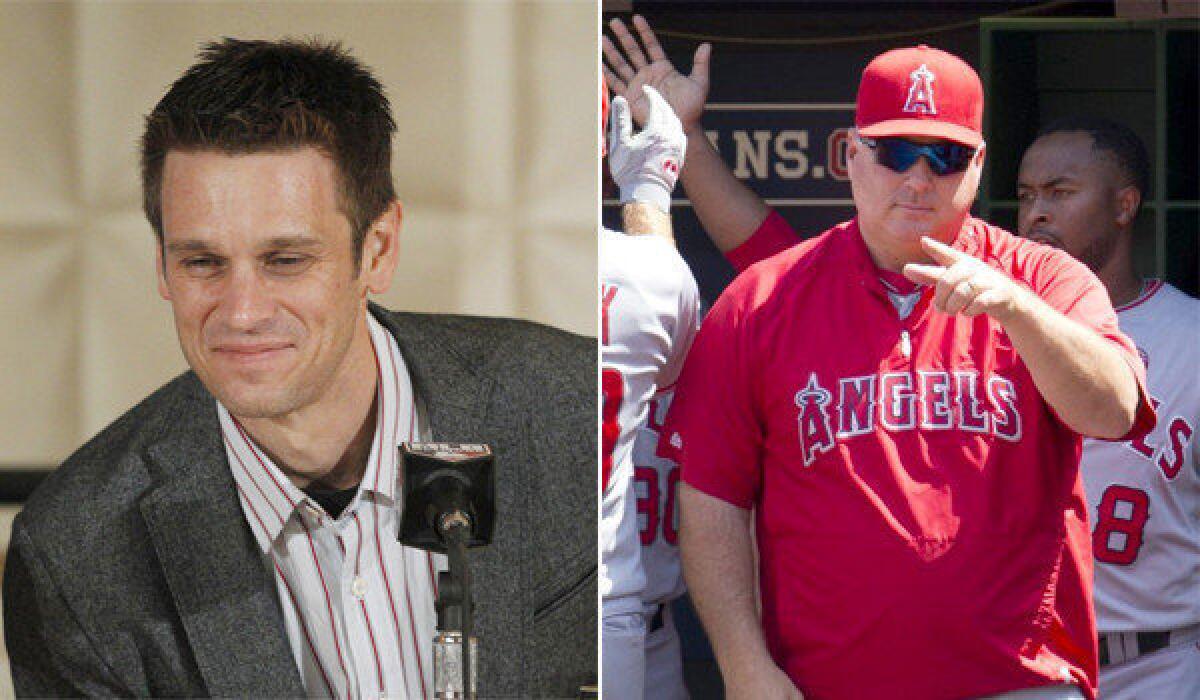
(263, 96)
(1115, 139)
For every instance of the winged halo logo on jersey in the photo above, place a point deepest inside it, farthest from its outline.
(815, 433)
(920, 92)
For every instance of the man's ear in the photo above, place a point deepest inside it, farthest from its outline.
(380, 249)
(1128, 199)
(160, 272)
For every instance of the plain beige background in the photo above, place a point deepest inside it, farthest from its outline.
(495, 162)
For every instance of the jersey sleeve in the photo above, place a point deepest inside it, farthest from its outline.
(687, 320)
(1073, 290)
(774, 235)
(712, 430)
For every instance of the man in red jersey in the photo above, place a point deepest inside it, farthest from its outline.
(899, 403)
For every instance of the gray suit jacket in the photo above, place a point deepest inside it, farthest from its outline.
(132, 570)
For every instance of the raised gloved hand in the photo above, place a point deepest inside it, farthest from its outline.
(646, 166)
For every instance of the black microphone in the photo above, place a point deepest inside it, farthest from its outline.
(449, 493)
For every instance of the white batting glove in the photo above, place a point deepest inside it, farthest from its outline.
(645, 167)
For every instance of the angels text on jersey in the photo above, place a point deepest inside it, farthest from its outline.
(848, 407)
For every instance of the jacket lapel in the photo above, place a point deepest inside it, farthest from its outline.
(455, 395)
(223, 590)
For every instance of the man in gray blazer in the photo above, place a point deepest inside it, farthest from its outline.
(136, 568)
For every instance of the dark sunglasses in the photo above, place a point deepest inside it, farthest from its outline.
(898, 155)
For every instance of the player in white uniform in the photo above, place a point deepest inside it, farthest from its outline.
(1079, 188)
(1144, 501)
(656, 480)
(648, 318)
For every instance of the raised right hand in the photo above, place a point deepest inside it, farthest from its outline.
(627, 71)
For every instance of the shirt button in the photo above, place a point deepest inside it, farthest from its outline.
(359, 587)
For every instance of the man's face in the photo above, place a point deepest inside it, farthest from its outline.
(1067, 194)
(896, 209)
(258, 266)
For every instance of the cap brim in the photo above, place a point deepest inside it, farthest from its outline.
(923, 127)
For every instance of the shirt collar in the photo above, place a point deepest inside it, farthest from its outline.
(396, 417)
(270, 498)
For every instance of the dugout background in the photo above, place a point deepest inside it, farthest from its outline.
(783, 81)
(494, 161)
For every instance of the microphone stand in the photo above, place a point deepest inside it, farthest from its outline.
(455, 645)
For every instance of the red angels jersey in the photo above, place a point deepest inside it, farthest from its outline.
(656, 482)
(919, 514)
(1144, 494)
(649, 311)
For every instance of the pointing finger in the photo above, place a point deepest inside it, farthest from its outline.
(941, 252)
(923, 274)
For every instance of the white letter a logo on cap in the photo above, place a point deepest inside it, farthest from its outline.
(920, 92)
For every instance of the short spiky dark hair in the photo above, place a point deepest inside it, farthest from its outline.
(1117, 140)
(263, 96)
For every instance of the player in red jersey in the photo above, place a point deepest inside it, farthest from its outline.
(899, 401)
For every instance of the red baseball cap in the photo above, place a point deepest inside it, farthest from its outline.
(920, 92)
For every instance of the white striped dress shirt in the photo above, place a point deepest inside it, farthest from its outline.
(357, 605)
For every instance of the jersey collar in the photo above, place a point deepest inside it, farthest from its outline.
(878, 282)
